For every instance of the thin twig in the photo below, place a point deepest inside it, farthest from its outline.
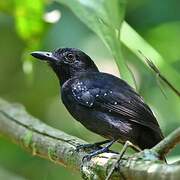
(156, 70)
(168, 143)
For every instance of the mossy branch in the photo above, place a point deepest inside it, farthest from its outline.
(59, 147)
(168, 143)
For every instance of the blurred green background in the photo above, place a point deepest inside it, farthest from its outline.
(46, 25)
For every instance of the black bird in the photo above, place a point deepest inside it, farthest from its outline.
(103, 103)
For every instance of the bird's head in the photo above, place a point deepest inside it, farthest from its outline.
(67, 62)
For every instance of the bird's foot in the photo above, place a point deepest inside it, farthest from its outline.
(87, 157)
(116, 164)
(99, 151)
(88, 146)
(94, 153)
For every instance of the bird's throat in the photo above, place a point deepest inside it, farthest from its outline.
(65, 73)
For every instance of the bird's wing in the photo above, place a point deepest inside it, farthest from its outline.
(124, 103)
(133, 109)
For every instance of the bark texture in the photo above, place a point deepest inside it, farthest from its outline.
(42, 140)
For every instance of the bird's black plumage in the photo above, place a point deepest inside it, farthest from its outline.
(102, 102)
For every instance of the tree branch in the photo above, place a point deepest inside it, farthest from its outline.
(59, 147)
(168, 143)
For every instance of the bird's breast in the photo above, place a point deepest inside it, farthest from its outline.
(102, 123)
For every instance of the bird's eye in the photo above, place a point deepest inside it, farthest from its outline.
(70, 57)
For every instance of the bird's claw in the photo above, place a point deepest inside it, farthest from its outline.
(85, 146)
(79, 147)
(87, 158)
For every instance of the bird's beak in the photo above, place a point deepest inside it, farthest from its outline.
(45, 56)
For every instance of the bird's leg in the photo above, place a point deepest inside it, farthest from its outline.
(114, 166)
(97, 144)
(102, 150)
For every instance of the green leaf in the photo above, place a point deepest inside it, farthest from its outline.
(30, 27)
(104, 17)
(29, 18)
(6, 6)
(132, 40)
(103, 10)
